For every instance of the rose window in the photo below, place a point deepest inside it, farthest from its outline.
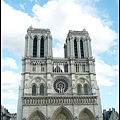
(60, 86)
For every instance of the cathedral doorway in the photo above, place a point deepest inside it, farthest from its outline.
(61, 116)
(37, 115)
(62, 113)
(86, 114)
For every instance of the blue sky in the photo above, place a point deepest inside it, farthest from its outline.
(98, 17)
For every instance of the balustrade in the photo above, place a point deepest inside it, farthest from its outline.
(50, 100)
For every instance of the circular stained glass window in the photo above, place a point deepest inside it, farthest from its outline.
(60, 85)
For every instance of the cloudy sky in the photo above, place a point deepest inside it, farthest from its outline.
(98, 17)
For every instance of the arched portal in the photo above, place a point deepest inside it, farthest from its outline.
(86, 114)
(37, 115)
(62, 113)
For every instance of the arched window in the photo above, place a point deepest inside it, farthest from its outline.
(75, 49)
(41, 89)
(86, 89)
(34, 90)
(42, 47)
(79, 89)
(81, 49)
(35, 47)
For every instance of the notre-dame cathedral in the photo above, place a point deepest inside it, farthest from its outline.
(58, 88)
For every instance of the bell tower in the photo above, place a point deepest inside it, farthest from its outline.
(38, 43)
(78, 45)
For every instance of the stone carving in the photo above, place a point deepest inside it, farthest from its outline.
(52, 100)
(82, 81)
(61, 116)
(38, 80)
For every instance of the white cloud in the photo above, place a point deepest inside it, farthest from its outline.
(9, 90)
(112, 52)
(9, 84)
(60, 16)
(9, 62)
(57, 51)
(14, 24)
(105, 73)
(9, 95)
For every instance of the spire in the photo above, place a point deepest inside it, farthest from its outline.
(31, 26)
(84, 29)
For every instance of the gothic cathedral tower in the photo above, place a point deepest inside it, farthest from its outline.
(58, 88)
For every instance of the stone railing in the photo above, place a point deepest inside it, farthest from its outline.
(63, 66)
(59, 100)
(60, 65)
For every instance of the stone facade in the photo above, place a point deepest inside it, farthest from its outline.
(58, 88)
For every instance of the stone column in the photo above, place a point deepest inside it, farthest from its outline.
(20, 104)
(91, 67)
(89, 47)
(49, 45)
(68, 48)
(68, 67)
(72, 66)
(31, 47)
(38, 47)
(80, 68)
(28, 53)
(26, 45)
(64, 50)
(45, 46)
(72, 47)
(82, 90)
(49, 71)
(84, 48)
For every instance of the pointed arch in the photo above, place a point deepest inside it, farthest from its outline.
(37, 115)
(86, 89)
(35, 47)
(79, 88)
(81, 49)
(42, 89)
(42, 47)
(75, 48)
(33, 80)
(62, 112)
(33, 89)
(86, 114)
